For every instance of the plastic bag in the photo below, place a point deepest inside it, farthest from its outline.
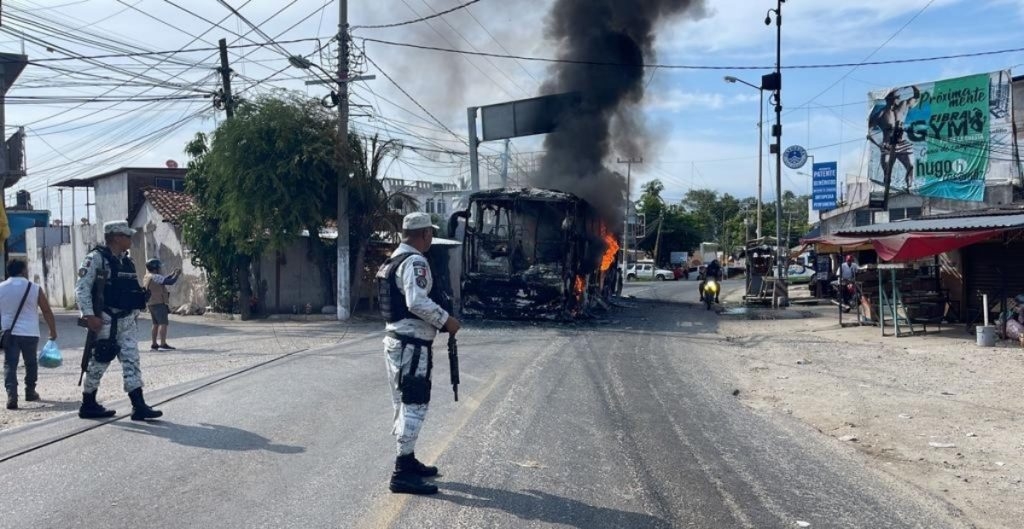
(50, 355)
(1014, 329)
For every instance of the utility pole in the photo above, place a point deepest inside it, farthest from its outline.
(504, 164)
(474, 157)
(760, 162)
(781, 253)
(625, 222)
(243, 264)
(225, 78)
(344, 293)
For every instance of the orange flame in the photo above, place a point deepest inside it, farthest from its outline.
(609, 253)
(578, 286)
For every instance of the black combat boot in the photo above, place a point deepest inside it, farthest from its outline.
(12, 401)
(93, 410)
(30, 394)
(406, 480)
(140, 410)
(422, 470)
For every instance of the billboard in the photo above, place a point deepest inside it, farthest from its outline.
(823, 186)
(941, 139)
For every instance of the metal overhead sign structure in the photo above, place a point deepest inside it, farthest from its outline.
(526, 117)
(513, 119)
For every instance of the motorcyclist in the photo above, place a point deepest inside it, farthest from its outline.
(713, 271)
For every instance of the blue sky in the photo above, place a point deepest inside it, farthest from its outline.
(705, 129)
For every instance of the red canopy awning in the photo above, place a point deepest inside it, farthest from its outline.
(911, 246)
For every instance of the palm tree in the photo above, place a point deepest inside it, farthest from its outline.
(373, 207)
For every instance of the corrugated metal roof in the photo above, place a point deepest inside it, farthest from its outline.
(945, 224)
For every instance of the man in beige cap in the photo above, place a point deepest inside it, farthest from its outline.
(404, 283)
(110, 297)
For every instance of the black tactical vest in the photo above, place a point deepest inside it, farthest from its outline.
(389, 294)
(122, 291)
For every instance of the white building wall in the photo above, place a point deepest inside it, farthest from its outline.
(111, 198)
(56, 267)
(156, 239)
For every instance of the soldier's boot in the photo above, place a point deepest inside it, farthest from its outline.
(140, 410)
(93, 410)
(12, 401)
(30, 394)
(406, 480)
(422, 470)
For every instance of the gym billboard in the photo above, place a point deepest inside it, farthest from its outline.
(942, 139)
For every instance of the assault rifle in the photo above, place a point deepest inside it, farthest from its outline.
(98, 303)
(453, 364)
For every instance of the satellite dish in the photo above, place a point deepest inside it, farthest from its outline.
(171, 164)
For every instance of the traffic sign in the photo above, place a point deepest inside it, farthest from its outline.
(794, 157)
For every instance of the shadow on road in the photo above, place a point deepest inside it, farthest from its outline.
(537, 505)
(210, 436)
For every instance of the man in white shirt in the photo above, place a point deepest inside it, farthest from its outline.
(849, 269)
(20, 301)
(848, 272)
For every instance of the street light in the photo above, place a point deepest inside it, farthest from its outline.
(760, 146)
(777, 148)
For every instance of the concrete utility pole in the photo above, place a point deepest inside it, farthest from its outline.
(344, 293)
(225, 78)
(625, 222)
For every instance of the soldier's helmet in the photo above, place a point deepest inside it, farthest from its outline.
(153, 265)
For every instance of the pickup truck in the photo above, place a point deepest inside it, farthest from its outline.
(648, 271)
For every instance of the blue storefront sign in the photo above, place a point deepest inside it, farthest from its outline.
(823, 186)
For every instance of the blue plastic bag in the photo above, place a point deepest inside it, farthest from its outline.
(50, 355)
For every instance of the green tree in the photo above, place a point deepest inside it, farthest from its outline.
(669, 227)
(260, 180)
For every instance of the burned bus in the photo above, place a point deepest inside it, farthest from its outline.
(534, 254)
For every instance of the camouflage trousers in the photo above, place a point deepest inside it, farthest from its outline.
(128, 341)
(408, 418)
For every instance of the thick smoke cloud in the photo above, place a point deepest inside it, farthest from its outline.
(609, 122)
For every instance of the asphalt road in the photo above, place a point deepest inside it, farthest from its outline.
(615, 423)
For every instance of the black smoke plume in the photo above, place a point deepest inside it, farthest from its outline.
(609, 121)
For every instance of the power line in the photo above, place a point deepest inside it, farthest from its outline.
(694, 66)
(417, 20)
(872, 54)
(411, 98)
(474, 48)
(173, 52)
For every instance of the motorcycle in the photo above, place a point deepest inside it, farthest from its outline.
(709, 293)
(846, 295)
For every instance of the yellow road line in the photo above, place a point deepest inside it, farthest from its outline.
(386, 510)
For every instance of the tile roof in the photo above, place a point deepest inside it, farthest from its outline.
(169, 204)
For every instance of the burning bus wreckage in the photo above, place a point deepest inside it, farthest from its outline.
(535, 254)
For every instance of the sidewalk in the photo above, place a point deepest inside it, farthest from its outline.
(933, 409)
(204, 347)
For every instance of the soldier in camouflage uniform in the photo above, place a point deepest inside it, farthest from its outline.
(122, 297)
(413, 320)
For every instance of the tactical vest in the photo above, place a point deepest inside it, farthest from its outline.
(122, 290)
(390, 296)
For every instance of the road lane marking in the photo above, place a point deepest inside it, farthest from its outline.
(387, 509)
